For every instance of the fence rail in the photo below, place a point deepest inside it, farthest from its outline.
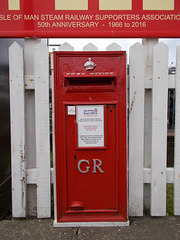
(149, 82)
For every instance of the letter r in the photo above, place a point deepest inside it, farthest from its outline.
(97, 165)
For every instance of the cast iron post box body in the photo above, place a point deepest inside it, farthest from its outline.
(90, 136)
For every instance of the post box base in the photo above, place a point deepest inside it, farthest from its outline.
(92, 224)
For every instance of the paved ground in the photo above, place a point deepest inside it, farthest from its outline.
(167, 228)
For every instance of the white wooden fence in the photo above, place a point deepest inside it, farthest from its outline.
(148, 94)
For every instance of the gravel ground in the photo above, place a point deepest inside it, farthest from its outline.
(140, 229)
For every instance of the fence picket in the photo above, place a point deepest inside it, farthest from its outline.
(30, 122)
(136, 129)
(148, 44)
(177, 139)
(17, 111)
(66, 47)
(90, 47)
(41, 69)
(113, 47)
(159, 130)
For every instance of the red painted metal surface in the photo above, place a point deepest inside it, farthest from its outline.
(91, 183)
(38, 18)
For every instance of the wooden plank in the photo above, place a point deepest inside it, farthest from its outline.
(29, 44)
(169, 175)
(147, 175)
(41, 69)
(148, 43)
(30, 150)
(30, 85)
(29, 82)
(177, 139)
(32, 176)
(171, 81)
(159, 130)
(17, 112)
(136, 129)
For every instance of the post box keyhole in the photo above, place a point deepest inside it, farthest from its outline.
(110, 108)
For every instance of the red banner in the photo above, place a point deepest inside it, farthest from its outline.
(90, 18)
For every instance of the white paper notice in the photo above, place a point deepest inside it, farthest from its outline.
(90, 122)
(71, 110)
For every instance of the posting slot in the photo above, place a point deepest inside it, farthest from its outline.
(78, 83)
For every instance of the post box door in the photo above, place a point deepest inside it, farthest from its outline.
(91, 159)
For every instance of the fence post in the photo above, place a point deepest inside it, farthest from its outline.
(136, 129)
(41, 71)
(29, 44)
(177, 138)
(148, 44)
(17, 112)
(159, 130)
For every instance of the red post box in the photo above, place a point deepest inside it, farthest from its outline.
(90, 137)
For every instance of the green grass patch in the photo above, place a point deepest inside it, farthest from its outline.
(170, 199)
(52, 201)
(51, 157)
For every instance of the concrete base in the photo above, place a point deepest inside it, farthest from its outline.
(91, 224)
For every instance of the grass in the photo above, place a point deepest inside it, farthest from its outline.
(51, 157)
(170, 198)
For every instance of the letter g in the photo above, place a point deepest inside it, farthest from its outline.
(79, 166)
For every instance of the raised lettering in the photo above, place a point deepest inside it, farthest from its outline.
(31, 17)
(97, 165)
(79, 166)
